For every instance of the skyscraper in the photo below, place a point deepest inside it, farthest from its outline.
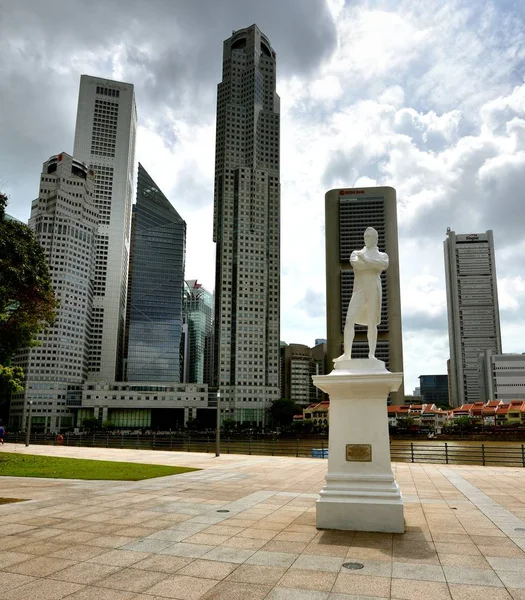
(473, 311)
(198, 316)
(65, 223)
(105, 140)
(348, 212)
(247, 228)
(156, 286)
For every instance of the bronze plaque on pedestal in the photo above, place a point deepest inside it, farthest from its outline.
(359, 452)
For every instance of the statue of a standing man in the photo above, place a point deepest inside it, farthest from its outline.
(365, 305)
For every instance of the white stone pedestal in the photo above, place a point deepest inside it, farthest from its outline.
(360, 492)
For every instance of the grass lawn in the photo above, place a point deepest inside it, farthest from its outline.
(27, 465)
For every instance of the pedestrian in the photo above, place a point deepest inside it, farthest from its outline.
(2, 433)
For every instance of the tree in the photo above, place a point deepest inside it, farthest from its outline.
(283, 411)
(90, 423)
(27, 301)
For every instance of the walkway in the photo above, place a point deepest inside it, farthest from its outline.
(243, 528)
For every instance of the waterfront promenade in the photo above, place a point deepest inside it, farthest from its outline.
(244, 528)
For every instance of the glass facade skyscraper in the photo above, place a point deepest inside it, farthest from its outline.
(156, 288)
(198, 316)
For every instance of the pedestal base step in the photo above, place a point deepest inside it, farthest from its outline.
(360, 516)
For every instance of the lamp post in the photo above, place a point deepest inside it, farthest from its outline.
(28, 428)
(218, 426)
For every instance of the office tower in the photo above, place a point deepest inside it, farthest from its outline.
(198, 318)
(65, 223)
(501, 376)
(473, 312)
(246, 227)
(299, 364)
(348, 212)
(156, 286)
(433, 389)
(105, 140)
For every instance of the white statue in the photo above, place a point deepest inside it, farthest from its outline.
(365, 305)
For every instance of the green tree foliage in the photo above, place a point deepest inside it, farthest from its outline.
(91, 424)
(282, 412)
(27, 301)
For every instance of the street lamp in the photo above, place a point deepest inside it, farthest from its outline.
(28, 428)
(218, 426)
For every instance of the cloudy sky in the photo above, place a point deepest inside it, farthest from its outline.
(426, 96)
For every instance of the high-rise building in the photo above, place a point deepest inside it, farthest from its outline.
(247, 228)
(105, 140)
(501, 376)
(433, 389)
(473, 312)
(198, 318)
(348, 212)
(299, 364)
(153, 333)
(65, 223)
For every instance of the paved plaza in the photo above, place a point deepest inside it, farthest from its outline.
(243, 528)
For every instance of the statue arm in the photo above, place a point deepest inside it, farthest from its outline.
(356, 260)
(380, 263)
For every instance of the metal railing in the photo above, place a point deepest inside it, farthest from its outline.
(413, 452)
(459, 454)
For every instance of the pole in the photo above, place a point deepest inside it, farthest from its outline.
(28, 428)
(218, 426)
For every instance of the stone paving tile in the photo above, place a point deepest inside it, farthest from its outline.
(417, 571)
(318, 563)
(322, 581)
(132, 580)
(98, 593)
(208, 569)
(507, 564)
(163, 563)
(78, 553)
(279, 593)
(272, 559)
(12, 580)
(234, 555)
(229, 590)
(119, 558)
(460, 560)
(40, 566)
(12, 558)
(42, 589)
(366, 585)
(471, 576)
(257, 574)
(148, 545)
(477, 592)
(182, 587)
(406, 589)
(512, 579)
(85, 573)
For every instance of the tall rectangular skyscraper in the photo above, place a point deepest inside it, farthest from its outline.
(65, 223)
(473, 311)
(348, 212)
(247, 227)
(105, 140)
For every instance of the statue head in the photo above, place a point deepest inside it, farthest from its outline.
(371, 237)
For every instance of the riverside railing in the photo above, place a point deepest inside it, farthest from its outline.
(413, 452)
